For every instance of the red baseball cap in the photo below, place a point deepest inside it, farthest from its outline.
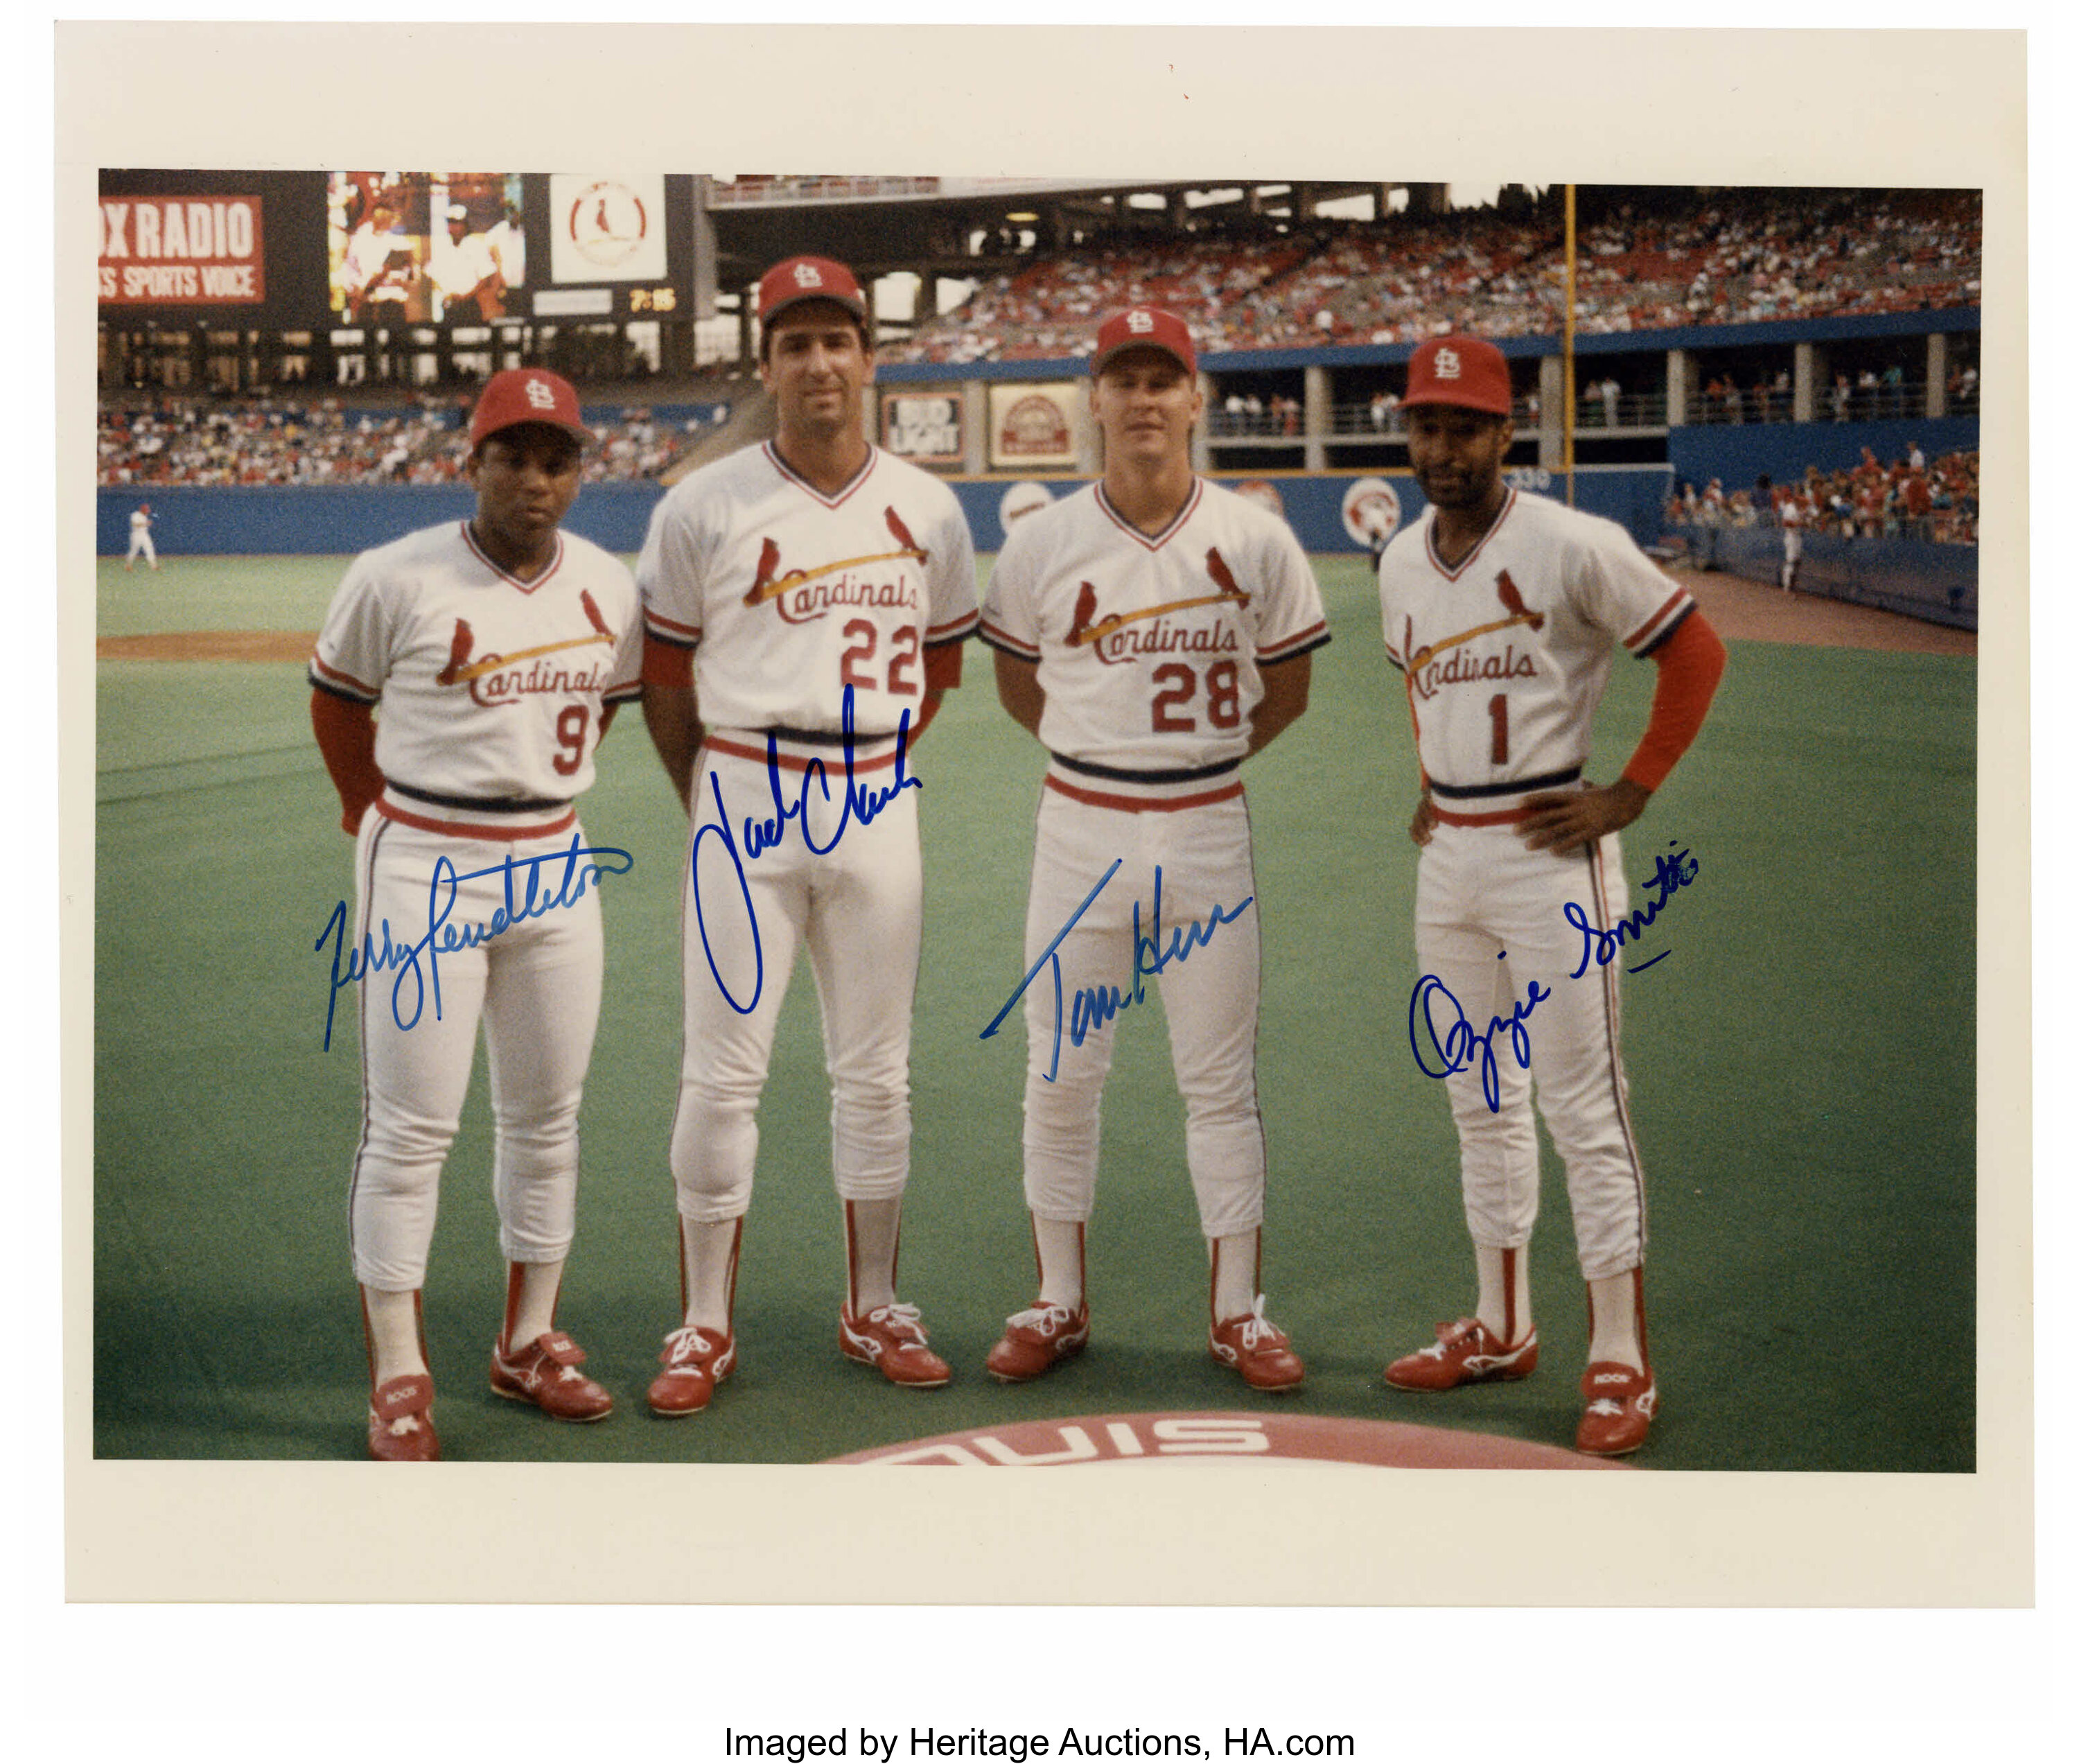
(520, 395)
(1145, 327)
(808, 278)
(1465, 371)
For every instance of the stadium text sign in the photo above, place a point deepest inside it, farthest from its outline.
(181, 251)
(922, 427)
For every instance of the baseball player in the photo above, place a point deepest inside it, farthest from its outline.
(140, 537)
(465, 271)
(497, 648)
(1791, 513)
(1151, 631)
(1504, 612)
(805, 602)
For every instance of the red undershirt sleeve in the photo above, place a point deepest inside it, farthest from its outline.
(347, 740)
(665, 664)
(1690, 663)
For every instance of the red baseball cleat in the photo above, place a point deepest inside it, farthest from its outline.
(892, 1338)
(1621, 1405)
(1257, 1349)
(1038, 1340)
(400, 1421)
(696, 1361)
(545, 1372)
(1464, 1353)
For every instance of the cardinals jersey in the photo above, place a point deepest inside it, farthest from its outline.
(491, 688)
(787, 596)
(1506, 654)
(1150, 646)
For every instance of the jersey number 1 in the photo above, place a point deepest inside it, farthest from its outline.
(1498, 715)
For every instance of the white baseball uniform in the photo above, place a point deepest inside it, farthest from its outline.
(141, 539)
(458, 265)
(1150, 651)
(1506, 656)
(802, 610)
(491, 692)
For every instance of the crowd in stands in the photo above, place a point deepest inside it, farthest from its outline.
(1911, 497)
(320, 441)
(1728, 257)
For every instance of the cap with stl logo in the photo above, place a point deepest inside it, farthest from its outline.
(1465, 371)
(1145, 327)
(522, 394)
(808, 278)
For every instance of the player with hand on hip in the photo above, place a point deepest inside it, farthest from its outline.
(1503, 611)
(497, 648)
(1151, 631)
(806, 602)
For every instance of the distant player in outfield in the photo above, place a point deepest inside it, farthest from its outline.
(140, 537)
(806, 603)
(497, 648)
(1151, 631)
(1503, 611)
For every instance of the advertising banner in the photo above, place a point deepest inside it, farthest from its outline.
(924, 428)
(1031, 424)
(181, 251)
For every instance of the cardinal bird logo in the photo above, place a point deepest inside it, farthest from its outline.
(1085, 616)
(592, 613)
(769, 569)
(1511, 598)
(459, 653)
(902, 536)
(1216, 567)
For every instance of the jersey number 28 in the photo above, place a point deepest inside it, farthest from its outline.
(1180, 685)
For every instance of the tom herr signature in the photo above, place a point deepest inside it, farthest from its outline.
(1096, 1006)
(1458, 1046)
(419, 963)
(760, 837)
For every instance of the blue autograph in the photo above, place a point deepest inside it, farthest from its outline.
(760, 837)
(442, 938)
(1458, 1046)
(1096, 1006)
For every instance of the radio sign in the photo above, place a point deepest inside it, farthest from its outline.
(181, 251)
(922, 428)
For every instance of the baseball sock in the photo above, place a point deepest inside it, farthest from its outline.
(873, 1235)
(1617, 1319)
(709, 1249)
(1235, 1264)
(530, 1301)
(1059, 1244)
(392, 1322)
(1504, 1292)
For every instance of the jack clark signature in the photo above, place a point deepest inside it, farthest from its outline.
(1435, 1017)
(1096, 1006)
(420, 963)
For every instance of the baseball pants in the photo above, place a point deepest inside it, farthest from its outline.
(857, 907)
(535, 987)
(1209, 996)
(1490, 919)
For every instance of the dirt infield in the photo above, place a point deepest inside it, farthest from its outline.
(1741, 610)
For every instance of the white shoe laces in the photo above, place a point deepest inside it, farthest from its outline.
(1257, 1329)
(903, 1320)
(1045, 1320)
(685, 1344)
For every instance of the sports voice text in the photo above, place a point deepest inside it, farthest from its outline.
(760, 837)
(419, 963)
(874, 1746)
(1437, 1024)
(1096, 1006)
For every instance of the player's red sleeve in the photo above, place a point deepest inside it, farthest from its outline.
(942, 666)
(347, 740)
(665, 664)
(1690, 663)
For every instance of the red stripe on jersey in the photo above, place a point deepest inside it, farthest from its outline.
(320, 665)
(965, 626)
(832, 762)
(801, 483)
(1155, 542)
(1452, 573)
(658, 625)
(425, 823)
(999, 638)
(1668, 606)
(1134, 805)
(1501, 818)
(555, 562)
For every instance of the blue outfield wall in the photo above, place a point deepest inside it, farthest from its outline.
(1738, 453)
(1939, 583)
(268, 520)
